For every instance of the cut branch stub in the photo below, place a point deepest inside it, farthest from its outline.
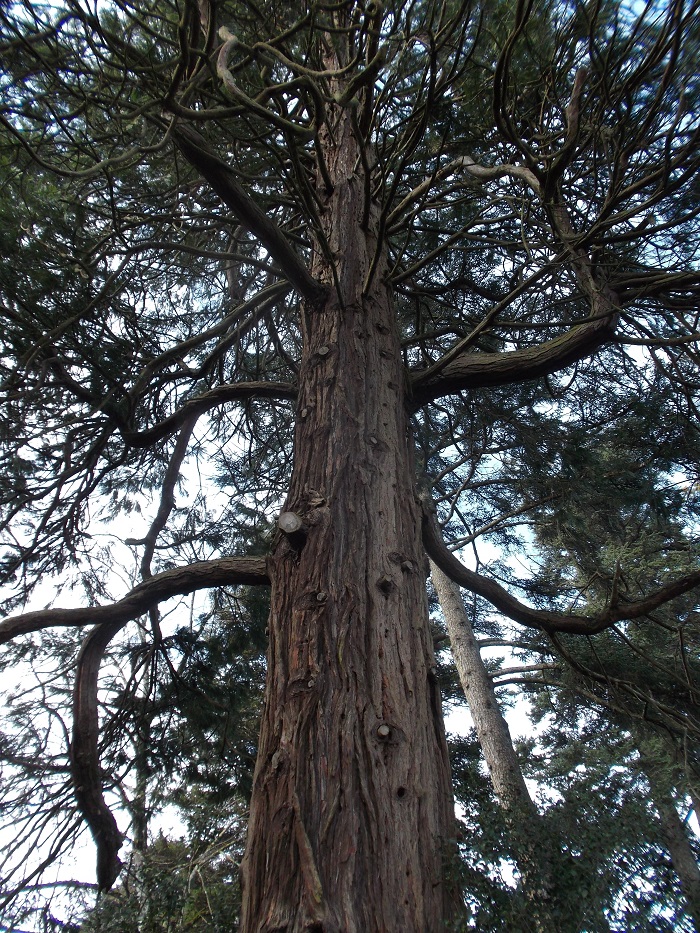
(294, 528)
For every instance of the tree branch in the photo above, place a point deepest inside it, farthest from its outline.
(493, 172)
(542, 619)
(85, 759)
(226, 571)
(482, 370)
(233, 392)
(167, 494)
(222, 179)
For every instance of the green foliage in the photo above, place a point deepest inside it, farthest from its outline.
(181, 887)
(133, 296)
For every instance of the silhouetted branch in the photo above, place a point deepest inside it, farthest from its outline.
(234, 392)
(85, 759)
(543, 619)
(222, 179)
(226, 571)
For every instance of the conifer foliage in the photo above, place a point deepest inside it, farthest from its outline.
(293, 297)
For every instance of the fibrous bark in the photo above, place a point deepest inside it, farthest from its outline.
(351, 815)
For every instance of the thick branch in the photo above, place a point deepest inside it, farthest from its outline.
(469, 370)
(226, 571)
(85, 754)
(223, 180)
(234, 392)
(493, 172)
(542, 619)
(85, 759)
(230, 328)
(482, 370)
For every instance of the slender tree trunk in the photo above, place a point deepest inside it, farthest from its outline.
(138, 807)
(139, 821)
(352, 813)
(675, 837)
(528, 836)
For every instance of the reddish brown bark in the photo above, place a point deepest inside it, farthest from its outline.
(85, 759)
(352, 814)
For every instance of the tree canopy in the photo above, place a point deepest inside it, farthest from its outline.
(247, 250)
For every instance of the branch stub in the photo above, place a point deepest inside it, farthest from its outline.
(290, 522)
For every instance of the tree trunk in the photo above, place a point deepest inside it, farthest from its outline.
(527, 835)
(674, 836)
(352, 817)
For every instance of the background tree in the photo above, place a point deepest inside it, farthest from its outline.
(322, 258)
(618, 750)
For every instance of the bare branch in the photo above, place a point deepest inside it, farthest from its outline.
(493, 172)
(545, 620)
(84, 756)
(234, 392)
(482, 370)
(167, 495)
(226, 571)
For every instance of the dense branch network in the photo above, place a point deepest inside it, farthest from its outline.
(179, 275)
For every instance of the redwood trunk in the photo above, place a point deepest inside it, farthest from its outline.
(352, 811)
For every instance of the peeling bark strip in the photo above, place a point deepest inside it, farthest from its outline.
(226, 571)
(352, 813)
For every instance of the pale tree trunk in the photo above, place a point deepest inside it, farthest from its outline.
(675, 837)
(530, 844)
(352, 820)
(139, 819)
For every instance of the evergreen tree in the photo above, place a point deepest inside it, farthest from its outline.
(365, 281)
